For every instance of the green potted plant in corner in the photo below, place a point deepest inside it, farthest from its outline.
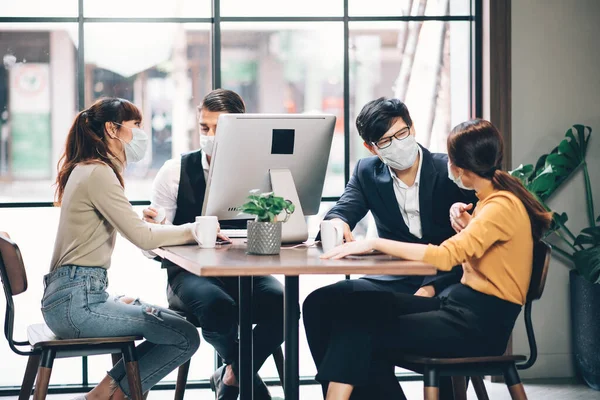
(582, 251)
(264, 233)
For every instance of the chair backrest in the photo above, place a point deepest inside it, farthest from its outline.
(12, 270)
(541, 263)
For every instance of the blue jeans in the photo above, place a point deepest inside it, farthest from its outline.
(76, 305)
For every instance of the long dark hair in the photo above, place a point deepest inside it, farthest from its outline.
(477, 146)
(87, 138)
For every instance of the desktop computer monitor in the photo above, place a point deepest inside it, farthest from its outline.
(284, 153)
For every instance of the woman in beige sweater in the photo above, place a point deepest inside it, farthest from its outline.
(103, 139)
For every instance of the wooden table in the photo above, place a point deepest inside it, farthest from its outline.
(232, 260)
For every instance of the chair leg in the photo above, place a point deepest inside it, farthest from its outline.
(479, 387)
(116, 357)
(431, 382)
(133, 371)
(515, 387)
(29, 378)
(43, 375)
(459, 386)
(278, 357)
(182, 375)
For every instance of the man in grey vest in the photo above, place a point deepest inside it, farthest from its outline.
(179, 189)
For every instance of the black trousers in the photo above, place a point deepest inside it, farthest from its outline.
(373, 328)
(321, 306)
(214, 302)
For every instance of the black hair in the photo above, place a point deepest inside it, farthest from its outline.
(223, 100)
(377, 117)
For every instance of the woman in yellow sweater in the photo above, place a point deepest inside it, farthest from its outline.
(477, 317)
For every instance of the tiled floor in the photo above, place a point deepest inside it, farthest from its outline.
(536, 390)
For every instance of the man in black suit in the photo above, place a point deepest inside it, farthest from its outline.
(409, 194)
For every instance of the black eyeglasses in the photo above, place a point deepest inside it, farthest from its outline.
(387, 142)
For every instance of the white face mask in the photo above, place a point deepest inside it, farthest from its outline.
(207, 144)
(456, 179)
(400, 154)
(135, 150)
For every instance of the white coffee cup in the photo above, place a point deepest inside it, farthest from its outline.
(332, 234)
(205, 231)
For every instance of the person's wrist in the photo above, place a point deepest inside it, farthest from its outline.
(374, 244)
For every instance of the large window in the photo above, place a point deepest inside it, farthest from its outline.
(313, 56)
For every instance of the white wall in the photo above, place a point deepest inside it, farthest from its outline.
(555, 84)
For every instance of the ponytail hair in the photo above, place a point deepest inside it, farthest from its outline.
(477, 146)
(87, 139)
(539, 216)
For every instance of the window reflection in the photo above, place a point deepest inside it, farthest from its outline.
(290, 68)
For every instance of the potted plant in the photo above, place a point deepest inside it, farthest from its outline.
(264, 233)
(582, 250)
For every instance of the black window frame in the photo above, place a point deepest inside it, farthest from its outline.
(476, 93)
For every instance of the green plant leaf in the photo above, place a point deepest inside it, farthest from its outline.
(266, 206)
(589, 235)
(553, 169)
(587, 263)
(543, 182)
(523, 172)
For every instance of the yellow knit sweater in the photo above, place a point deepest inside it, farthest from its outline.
(495, 249)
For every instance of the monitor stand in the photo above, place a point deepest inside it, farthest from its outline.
(295, 229)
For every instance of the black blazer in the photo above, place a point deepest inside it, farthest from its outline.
(371, 189)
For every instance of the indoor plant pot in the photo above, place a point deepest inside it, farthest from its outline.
(264, 233)
(264, 238)
(585, 319)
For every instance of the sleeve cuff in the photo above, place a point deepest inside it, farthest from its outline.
(430, 255)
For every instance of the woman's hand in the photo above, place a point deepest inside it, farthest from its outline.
(459, 216)
(357, 247)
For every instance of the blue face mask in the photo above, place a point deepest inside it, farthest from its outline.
(136, 148)
(456, 179)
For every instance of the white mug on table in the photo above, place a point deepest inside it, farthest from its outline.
(332, 234)
(205, 231)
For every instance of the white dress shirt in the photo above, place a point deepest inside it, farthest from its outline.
(166, 186)
(408, 200)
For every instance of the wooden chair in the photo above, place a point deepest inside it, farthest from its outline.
(182, 373)
(477, 367)
(42, 347)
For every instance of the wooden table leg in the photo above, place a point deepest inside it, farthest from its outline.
(291, 368)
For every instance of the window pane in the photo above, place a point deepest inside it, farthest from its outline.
(39, 8)
(38, 100)
(167, 83)
(408, 7)
(279, 8)
(36, 250)
(425, 64)
(290, 68)
(147, 8)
